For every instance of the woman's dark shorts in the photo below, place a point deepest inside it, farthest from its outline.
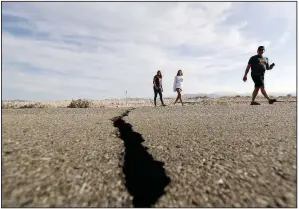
(157, 90)
(258, 80)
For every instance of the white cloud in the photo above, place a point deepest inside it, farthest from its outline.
(104, 49)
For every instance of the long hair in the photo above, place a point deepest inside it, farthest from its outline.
(160, 76)
(179, 72)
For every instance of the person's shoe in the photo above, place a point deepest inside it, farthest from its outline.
(255, 103)
(163, 105)
(271, 101)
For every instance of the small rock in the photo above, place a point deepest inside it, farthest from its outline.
(209, 205)
(262, 202)
(208, 190)
(220, 167)
(236, 205)
(46, 158)
(261, 181)
(220, 181)
(279, 202)
(289, 197)
(82, 188)
(118, 183)
(205, 198)
(179, 168)
(239, 171)
(194, 202)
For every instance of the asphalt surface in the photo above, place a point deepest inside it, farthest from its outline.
(225, 155)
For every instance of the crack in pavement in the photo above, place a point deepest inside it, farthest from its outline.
(145, 178)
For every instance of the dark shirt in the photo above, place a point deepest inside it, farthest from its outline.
(259, 64)
(157, 81)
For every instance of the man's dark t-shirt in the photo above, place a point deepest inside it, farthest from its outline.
(259, 65)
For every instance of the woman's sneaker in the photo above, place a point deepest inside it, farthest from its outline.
(271, 101)
(255, 103)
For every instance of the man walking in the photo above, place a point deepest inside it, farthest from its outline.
(258, 64)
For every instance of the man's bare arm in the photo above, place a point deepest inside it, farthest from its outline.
(247, 69)
(246, 72)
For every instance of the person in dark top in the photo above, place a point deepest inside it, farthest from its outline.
(158, 89)
(258, 64)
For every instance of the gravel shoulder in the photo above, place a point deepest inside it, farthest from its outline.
(224, 155)
(61, 158)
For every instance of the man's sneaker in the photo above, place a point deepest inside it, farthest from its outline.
(254, 103)
(271, 101)
(163, 105)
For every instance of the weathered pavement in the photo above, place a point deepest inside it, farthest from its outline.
(231, 155)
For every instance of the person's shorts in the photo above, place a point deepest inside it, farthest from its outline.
(258, 80)
(157, 90)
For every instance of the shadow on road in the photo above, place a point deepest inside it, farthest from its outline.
(145, 178)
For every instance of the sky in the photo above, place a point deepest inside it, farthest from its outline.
(100, 50)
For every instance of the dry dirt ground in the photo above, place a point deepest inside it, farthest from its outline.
(224, 155)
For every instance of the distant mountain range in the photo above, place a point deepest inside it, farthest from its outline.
(229, 94)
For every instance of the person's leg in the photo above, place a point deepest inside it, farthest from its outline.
(177, 98)
(155, 98)
(257, 85)
(180, 96)
(161, 98)
(255, 93)
(265, 93)
(271, 101)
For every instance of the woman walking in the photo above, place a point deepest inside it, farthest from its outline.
(158, 89)
(177, 86)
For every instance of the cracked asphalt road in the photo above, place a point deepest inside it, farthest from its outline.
(225, 155)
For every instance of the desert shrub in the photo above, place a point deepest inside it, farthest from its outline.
(80, 103)
(28, 106)
(6, 106)
(289, 95)
(33, 105)
(238, 96)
